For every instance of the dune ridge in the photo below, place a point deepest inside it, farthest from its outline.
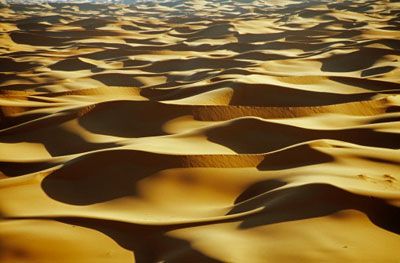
(200, 131)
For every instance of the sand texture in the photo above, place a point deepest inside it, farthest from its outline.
(200, 131)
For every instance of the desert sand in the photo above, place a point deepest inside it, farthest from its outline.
(200, 131)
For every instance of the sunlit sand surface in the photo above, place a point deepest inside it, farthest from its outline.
(200, 131)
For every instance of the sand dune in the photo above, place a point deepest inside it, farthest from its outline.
(200, 131)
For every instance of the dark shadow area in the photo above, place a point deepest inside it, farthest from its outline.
(376, 71)
(106, 175)
(71, 64)
(367, 137)
(259, 188)
(380, 160)
(277, 96)
(369, 84)
(131, 118)
(391, 109)
(85, 6)
(36, 22)
(389, 42)
(251, 38)
(149, 42)
(117, 79)
(194, 64)
(9, 121)
(315, 200)
(348, 34)
(134, 63)
(99, 177)
(251, 135)
(148, 243)
(220, 29)
(80, 34)
(357, 60)
(4, 77)
(297, 156)
(22, 87)
(131, 28)
(91, 23)
(305, 46)
(386, 119)
(35, 39)
(108, 53)
(10, 65)
(246, 94)
(12, 169)
(258, 55)
(57, 140)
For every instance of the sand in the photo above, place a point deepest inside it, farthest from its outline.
(232, 131)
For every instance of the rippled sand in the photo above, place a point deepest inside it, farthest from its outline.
(232, 131)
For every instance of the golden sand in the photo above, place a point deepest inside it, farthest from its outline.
(235, 131)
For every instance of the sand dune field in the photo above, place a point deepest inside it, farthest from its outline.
(200, 131)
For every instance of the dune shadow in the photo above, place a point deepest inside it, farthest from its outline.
(298, 156)
(357, 60)
(117, 79)
(23, 87)
(130, 118)
(91, 23)
(120, 52)
(369, 84)
(7, 121)
(147, 243)
(104, 176)
(10, 65)
(219, 29)
(107, 175)
(194, 64)
(71, 64)
(258, 188)
(277, 96)
(246, 94)
(312, 201)
(251, 135)
(57, 140)
(377, 71)
(13, 169)
(37, 22)
(35, 39)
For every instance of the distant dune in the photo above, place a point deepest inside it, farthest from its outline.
(200, 131)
